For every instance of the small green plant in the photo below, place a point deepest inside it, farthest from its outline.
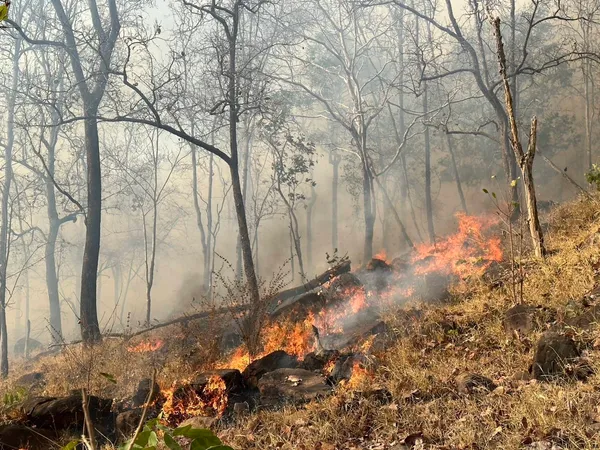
(154, 435)
(13, 397)
(593, 176)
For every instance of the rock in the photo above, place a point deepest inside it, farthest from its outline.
(342, 288)
(67, 413)
(520, 318)
(273, 361)
(554, 353)
(473, 383)
(143, 390)
(31, 380)
(22, 437)
(19, 347)
(317, 362)
(294, 386)
(585, 320)
(344, 367)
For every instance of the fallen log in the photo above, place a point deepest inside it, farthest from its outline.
(280, 298)
(276, 302)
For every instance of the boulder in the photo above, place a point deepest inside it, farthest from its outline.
(585, 320)
(19, 347)
(18, 436)
(472, 383)
(295, 386)
(342, 369)
(316, 362)
(31, 380)
(273, 361)
(67, 413)
(143, 391)
(554, 354)
(520, 319)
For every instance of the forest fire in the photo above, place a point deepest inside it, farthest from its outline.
(185, 402)
(465, 253)
(468, 252)
(146, 346)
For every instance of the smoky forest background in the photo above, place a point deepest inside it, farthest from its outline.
(153, 152)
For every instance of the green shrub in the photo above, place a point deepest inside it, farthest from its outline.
(155, 436)
(593, 176)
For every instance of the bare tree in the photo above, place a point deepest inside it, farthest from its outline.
(525, 159)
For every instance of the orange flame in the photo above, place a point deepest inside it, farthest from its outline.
(467, 252)
(360, 376)
(146, 346)
(382, 255)
(184, 402)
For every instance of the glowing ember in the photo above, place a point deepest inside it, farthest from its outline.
(146, 346)
(467, 252)
(184, 402)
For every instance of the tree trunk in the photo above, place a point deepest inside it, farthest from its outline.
(5, 214)
(52, 281)
(390, 206)
(309, 227)
(208, 259)
(204, 236)
(428, 201)
(368, 213)
(245, 167)
(535, 227)
(427, 137)
(461, 194)
(90, 328)
(587, 165)
(526, 160)
(335, 180)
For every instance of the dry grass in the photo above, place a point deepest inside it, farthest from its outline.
(419, 369)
